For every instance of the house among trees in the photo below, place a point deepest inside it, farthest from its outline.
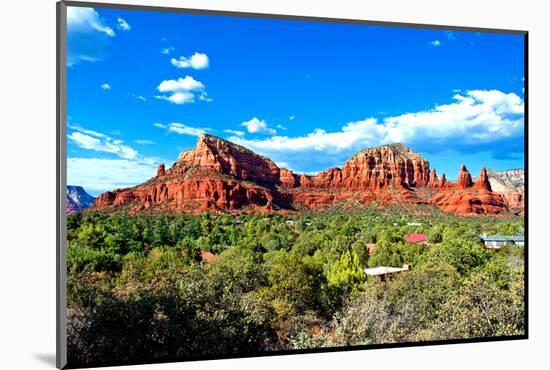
(207, 256)
(417, 238)
(370, 247)
(499, 241)
(383, 271)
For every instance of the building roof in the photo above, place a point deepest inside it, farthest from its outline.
(383, 270)
(371, 246)
(207, 256)
(502, 238)
(416, 238)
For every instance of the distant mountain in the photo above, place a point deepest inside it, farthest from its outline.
(507, 180)
(220, 176)
(78, 199)
(511, 183)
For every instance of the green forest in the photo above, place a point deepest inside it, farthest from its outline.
(138, 289)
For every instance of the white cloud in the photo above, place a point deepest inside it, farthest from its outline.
(86, 131)
(86, 19)
(181, 84)
(476, 120)
(435, 43)
(181, 91)
(178, 98)
(106, 86)
(180, 128)
(235, 132)
(144, 142)
(93, 140)
(87, 35)
(195, 61)
(291, 118)
(83, 57)
(256, 125)
(204, 97)
(281, 127)
(140, 97)
(167, 50)
(99, 175)
(123, 25)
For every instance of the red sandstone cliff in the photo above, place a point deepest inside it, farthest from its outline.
(219, 175)
(433, 181)
(214, 175)
(468, 198)
(482, 181)
(464, 178)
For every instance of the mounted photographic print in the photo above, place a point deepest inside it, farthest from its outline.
(236, 185)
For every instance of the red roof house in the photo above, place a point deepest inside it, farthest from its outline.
(416, 238)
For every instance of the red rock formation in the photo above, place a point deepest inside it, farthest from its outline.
(287, 178)
(443, 181)
(380, 167)
(470, 201)
(220, 176)
(464, 178)
(482, 181)
(217, 155)
(433, 182)
(161, 170)
(216, 175)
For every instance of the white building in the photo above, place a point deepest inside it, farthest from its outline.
(499, 241)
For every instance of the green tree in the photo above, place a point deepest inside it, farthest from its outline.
(435, 235)
(480, 308)
(464, 255)
(347, 273)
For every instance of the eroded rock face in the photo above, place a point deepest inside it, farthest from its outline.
(220, 176)
(482, 181)
(220, 156)
(464, 178)
(468, 198)
(470, 201)
(161, 170)
(443, 182)
(393, 164)
(433, 182)
(216, 175)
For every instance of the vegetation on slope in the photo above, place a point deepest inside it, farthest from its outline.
(138, 290)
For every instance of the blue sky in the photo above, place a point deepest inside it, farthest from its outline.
(143, 85)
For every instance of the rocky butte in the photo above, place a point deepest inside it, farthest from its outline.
(218, 175)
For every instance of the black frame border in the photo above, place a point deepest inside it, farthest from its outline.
(61, 175)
